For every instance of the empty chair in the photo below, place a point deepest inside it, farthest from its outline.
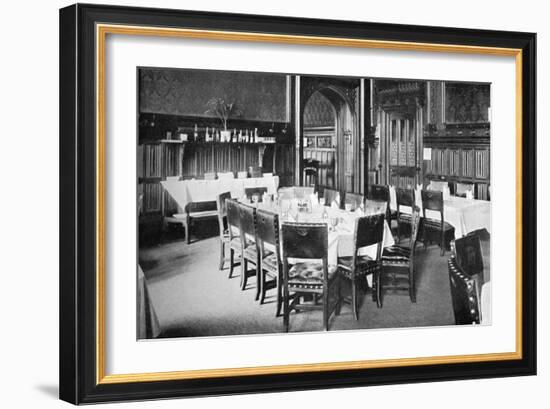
(404, 197)
(469, 256)
(222, 223)
(369, 231)
(242, 175)
(356, 200)
(226, 176)
(331, 196)
(210, 176)
(234, 229)
(255, 171)
(271, 274)
(249, 246)
(255, 191)
(313, 277)
(398, 268)
(433, 200)
(382, 193)
(464, 295)
(311, 171)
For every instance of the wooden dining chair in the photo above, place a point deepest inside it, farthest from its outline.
(331, 196)
(404, 197)
(382, 193)
(271, 274)
(249, 246)
(469, 256)
(464, 295)
(398, 264)
(356, 200)
(222, 223)
(258, 191)
(433, 200)
(313, 277)
(234, 229)
(369, 231)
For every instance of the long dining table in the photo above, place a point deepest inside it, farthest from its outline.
(340, 224)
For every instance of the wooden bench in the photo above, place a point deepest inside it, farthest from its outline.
(193, 210)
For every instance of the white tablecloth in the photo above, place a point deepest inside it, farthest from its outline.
(187, 191)
(465, 215)
(340, 242)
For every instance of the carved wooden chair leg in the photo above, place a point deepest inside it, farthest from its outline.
(222, 253)
(442, 242)
(231, 262)
(286, 310)
(354, 299)
(378, 288)
(412, 294)
(244, 269)
(262, 286)
(258, 280)
(325, 309)
(279, 298)
(187, 230)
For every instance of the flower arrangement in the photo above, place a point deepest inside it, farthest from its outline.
(222, 110)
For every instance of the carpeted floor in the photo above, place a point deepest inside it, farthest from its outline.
(193, 298)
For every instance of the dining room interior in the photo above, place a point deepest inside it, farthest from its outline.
(274, 202)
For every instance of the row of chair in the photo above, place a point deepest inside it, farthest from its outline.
(431, 200)
(252, 237)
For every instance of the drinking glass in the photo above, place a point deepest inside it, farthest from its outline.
(347, 206)
(322, 201)
(255, 199)
(334, 222)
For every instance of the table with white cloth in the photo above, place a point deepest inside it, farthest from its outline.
(340, 238)
(192, 191)
(465, 215)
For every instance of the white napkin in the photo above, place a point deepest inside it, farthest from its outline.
(334, 205)
(469, 195)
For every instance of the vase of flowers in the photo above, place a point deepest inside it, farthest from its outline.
(222, 110)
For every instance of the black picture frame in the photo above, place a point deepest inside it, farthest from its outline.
(79, 359)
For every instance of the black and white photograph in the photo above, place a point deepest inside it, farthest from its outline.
(281, 202)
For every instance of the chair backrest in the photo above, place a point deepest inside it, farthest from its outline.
(369, 230)
(330, 196)
(233, 217)
(469, 256)
(226, 176)
(432, 200)
(379, 192)
(222, 209)
(305, 240)
(464, 295)
(404, 197)
(247, 215)
(251, 191)
(210, 176)
(267, 230)
(255, 171)
(354, 199)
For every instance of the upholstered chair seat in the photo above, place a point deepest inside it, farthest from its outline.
(309, 273)
(364, 265)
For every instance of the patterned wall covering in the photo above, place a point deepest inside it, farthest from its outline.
(466, 103)
(185, 92)
(318, 111)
